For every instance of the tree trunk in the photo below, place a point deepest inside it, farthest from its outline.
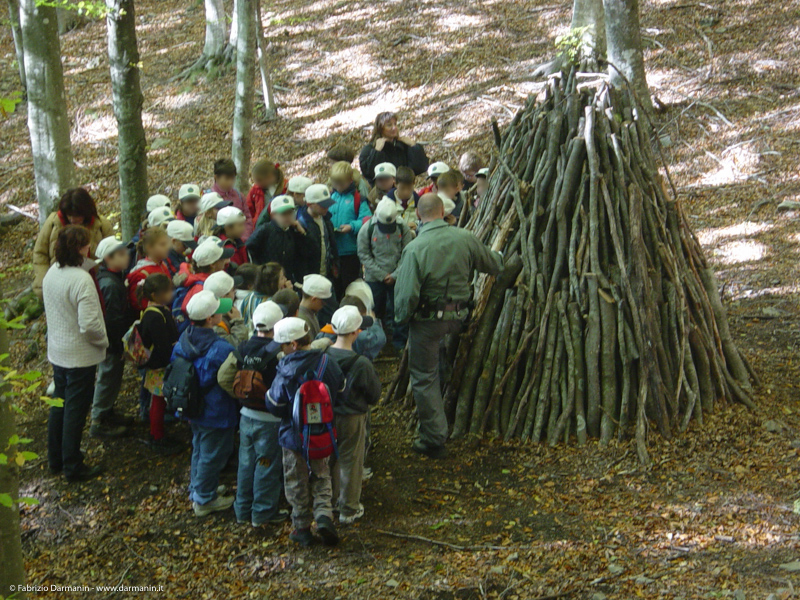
(123, 58)
(47, 106)
(588, 22)
(216, 30)
(16, 30)
(245, 81)
(233, 39)
(12, 567)
(265, 66)
(625, 47)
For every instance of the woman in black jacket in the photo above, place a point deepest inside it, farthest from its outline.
(386, 145)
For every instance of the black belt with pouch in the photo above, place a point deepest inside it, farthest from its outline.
(437, 310)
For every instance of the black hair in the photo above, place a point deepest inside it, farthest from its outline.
(268, 279)
(248, 273)
(225, 166)
(154, 284)
(405, 175)
(78, 202)
(69, 243)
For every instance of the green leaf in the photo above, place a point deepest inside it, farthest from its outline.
(24, 440)
(31, 376)
(29, 455)
(13, 440)
(32, 387)
(53, 402)
(3, 459)
(6, 500)
(438, 525)
(29, 501)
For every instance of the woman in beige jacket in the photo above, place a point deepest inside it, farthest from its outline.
(76, 207)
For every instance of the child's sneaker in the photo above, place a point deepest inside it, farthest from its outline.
(218, 504)
(303, 537)
(279, 519)
(366, 474)
(327, 530)
(350, 519)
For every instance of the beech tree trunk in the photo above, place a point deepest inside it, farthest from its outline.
(265, 67)
(123, 58)
(587, 15)
(12, 568)
(233, 39)
(216, 30)
(245, 80)
(47, 105)
(625, 47)
(16, 30)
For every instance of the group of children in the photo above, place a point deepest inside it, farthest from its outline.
(213, 283)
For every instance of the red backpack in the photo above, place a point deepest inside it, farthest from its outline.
(312, 416)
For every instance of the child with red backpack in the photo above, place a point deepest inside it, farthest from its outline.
(231, 223)
(247, 375)
(348, 213)
(305, 390)
(154, 246)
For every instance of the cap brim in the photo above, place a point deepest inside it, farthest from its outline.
(367, 322)
(327, 203)
(225, 306)
(283, 209)
(227, 253)
(238, 280)
(189, 197)
(223, 204)
(192, 244)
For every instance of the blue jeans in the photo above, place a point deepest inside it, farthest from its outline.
(259, 484)
(65, 424)
(383, 295)
(211, 449)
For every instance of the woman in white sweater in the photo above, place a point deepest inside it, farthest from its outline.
(76, 344)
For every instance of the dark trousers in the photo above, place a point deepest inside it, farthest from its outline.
(383, 295)
(65, 425)
(349, 271)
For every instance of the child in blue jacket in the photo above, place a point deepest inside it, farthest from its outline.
(213, 432)
(348, 214)
(307, 484)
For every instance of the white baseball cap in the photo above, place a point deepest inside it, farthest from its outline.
(289, 329)
(299, 184)
(361, 290)
(212, 200)
(348, 319)
(387, 210)
(204, 304)
(108, 246)
(483, 173)
(189, 191)
(159, 216)
(183, 232)
(319, 194)
(230, 215)
(385, 170)
(281, 204)
(266, 315)
(210, 251)
(157, 201)
(317, 286)
(220, 284)
(449, 205)
(437, 169)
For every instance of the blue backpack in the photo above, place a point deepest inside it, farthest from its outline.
(182, 322)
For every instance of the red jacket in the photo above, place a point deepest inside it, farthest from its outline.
(239, 251)
(257, 201)
(139, 273)
(193, 289)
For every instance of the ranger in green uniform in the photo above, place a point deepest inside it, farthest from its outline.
(432, 294)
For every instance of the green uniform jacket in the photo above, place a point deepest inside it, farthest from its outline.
(440, 262)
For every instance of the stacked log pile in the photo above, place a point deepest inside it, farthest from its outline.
(607, 317)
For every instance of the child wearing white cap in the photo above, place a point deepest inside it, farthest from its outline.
(363, 389)
(320, 233)
(248, 376)
(307, 482)
(268, 182)
(297, 187)
(213, 431)
(113, 259)
(182, 235)
(434, 171)
(380, 246)
(231, 327)
(385, 174)
(157, 201)
(210, 204)
(316, 290)
(188, 203)
(282, 239)
(231, 228)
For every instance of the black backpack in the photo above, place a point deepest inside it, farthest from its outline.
(182, 390)
(254, 377)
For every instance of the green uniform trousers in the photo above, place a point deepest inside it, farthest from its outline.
(424, 358)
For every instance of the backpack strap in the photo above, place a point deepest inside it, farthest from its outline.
(152, 309)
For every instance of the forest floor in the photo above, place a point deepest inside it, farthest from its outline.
(714, 516)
